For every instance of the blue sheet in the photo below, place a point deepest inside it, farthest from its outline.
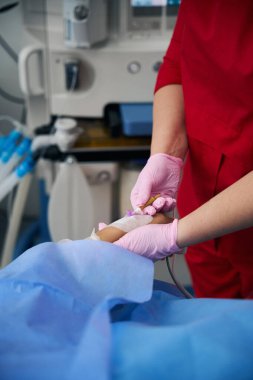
(90, 310)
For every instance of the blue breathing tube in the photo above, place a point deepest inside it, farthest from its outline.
(10, 141)
(11, 157)
(25, 167)
(24, 146)
(2, 141)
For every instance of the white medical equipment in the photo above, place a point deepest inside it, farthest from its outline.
(83, 55)
(80, 29)
(71, 204)
(116, 46)
(18, 156)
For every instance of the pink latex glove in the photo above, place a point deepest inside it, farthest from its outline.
(160, 175)
(155, 241)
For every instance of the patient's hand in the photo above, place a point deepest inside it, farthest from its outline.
(116, 230)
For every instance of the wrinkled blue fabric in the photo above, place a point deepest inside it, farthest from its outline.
(88, 310)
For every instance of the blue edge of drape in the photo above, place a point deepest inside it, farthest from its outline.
(91, 310)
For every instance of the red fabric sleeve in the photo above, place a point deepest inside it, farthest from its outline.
(170, 71)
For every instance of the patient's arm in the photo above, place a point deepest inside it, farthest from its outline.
(112, 233)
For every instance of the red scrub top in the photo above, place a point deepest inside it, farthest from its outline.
(211, 55)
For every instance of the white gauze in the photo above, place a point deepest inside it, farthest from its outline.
(93, 236)
(129, 223)
(126, 224)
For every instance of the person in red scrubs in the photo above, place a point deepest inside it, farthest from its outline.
(203, 130)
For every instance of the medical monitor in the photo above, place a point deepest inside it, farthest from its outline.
(149, 14)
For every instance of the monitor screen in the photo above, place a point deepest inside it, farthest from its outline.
(154, 3)
(147, 14)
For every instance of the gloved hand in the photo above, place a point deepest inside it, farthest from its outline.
(155, 241)
(160, 175)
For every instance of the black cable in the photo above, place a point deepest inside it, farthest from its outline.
(8, 7)
(179, 286)
(23, 115)
(8, 49)
(11, 98)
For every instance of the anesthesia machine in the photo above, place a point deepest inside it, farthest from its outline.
(83, 58)
(88, 54)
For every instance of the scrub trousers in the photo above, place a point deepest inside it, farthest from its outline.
(220, 268)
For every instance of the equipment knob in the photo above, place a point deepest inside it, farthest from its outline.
(81, 12)
(103, 176)
(134, 67)
(156, 66)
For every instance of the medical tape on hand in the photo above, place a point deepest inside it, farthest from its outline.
(126, 224)
(93, 236)
(129, 223)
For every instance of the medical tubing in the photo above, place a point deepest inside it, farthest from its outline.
(8, 49)
(15, 219)
(74, 79)
(43, 141)
(10, 182)
(8, 163)
(171, 272)
(17, 125)
(8, 7)
(71, 89)
(6, 169)
(177, 283)
(26, 166)
(10, 141)
(11, 98)
(2, 141)
(7, 154)
(24, 146)
(13, 179)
